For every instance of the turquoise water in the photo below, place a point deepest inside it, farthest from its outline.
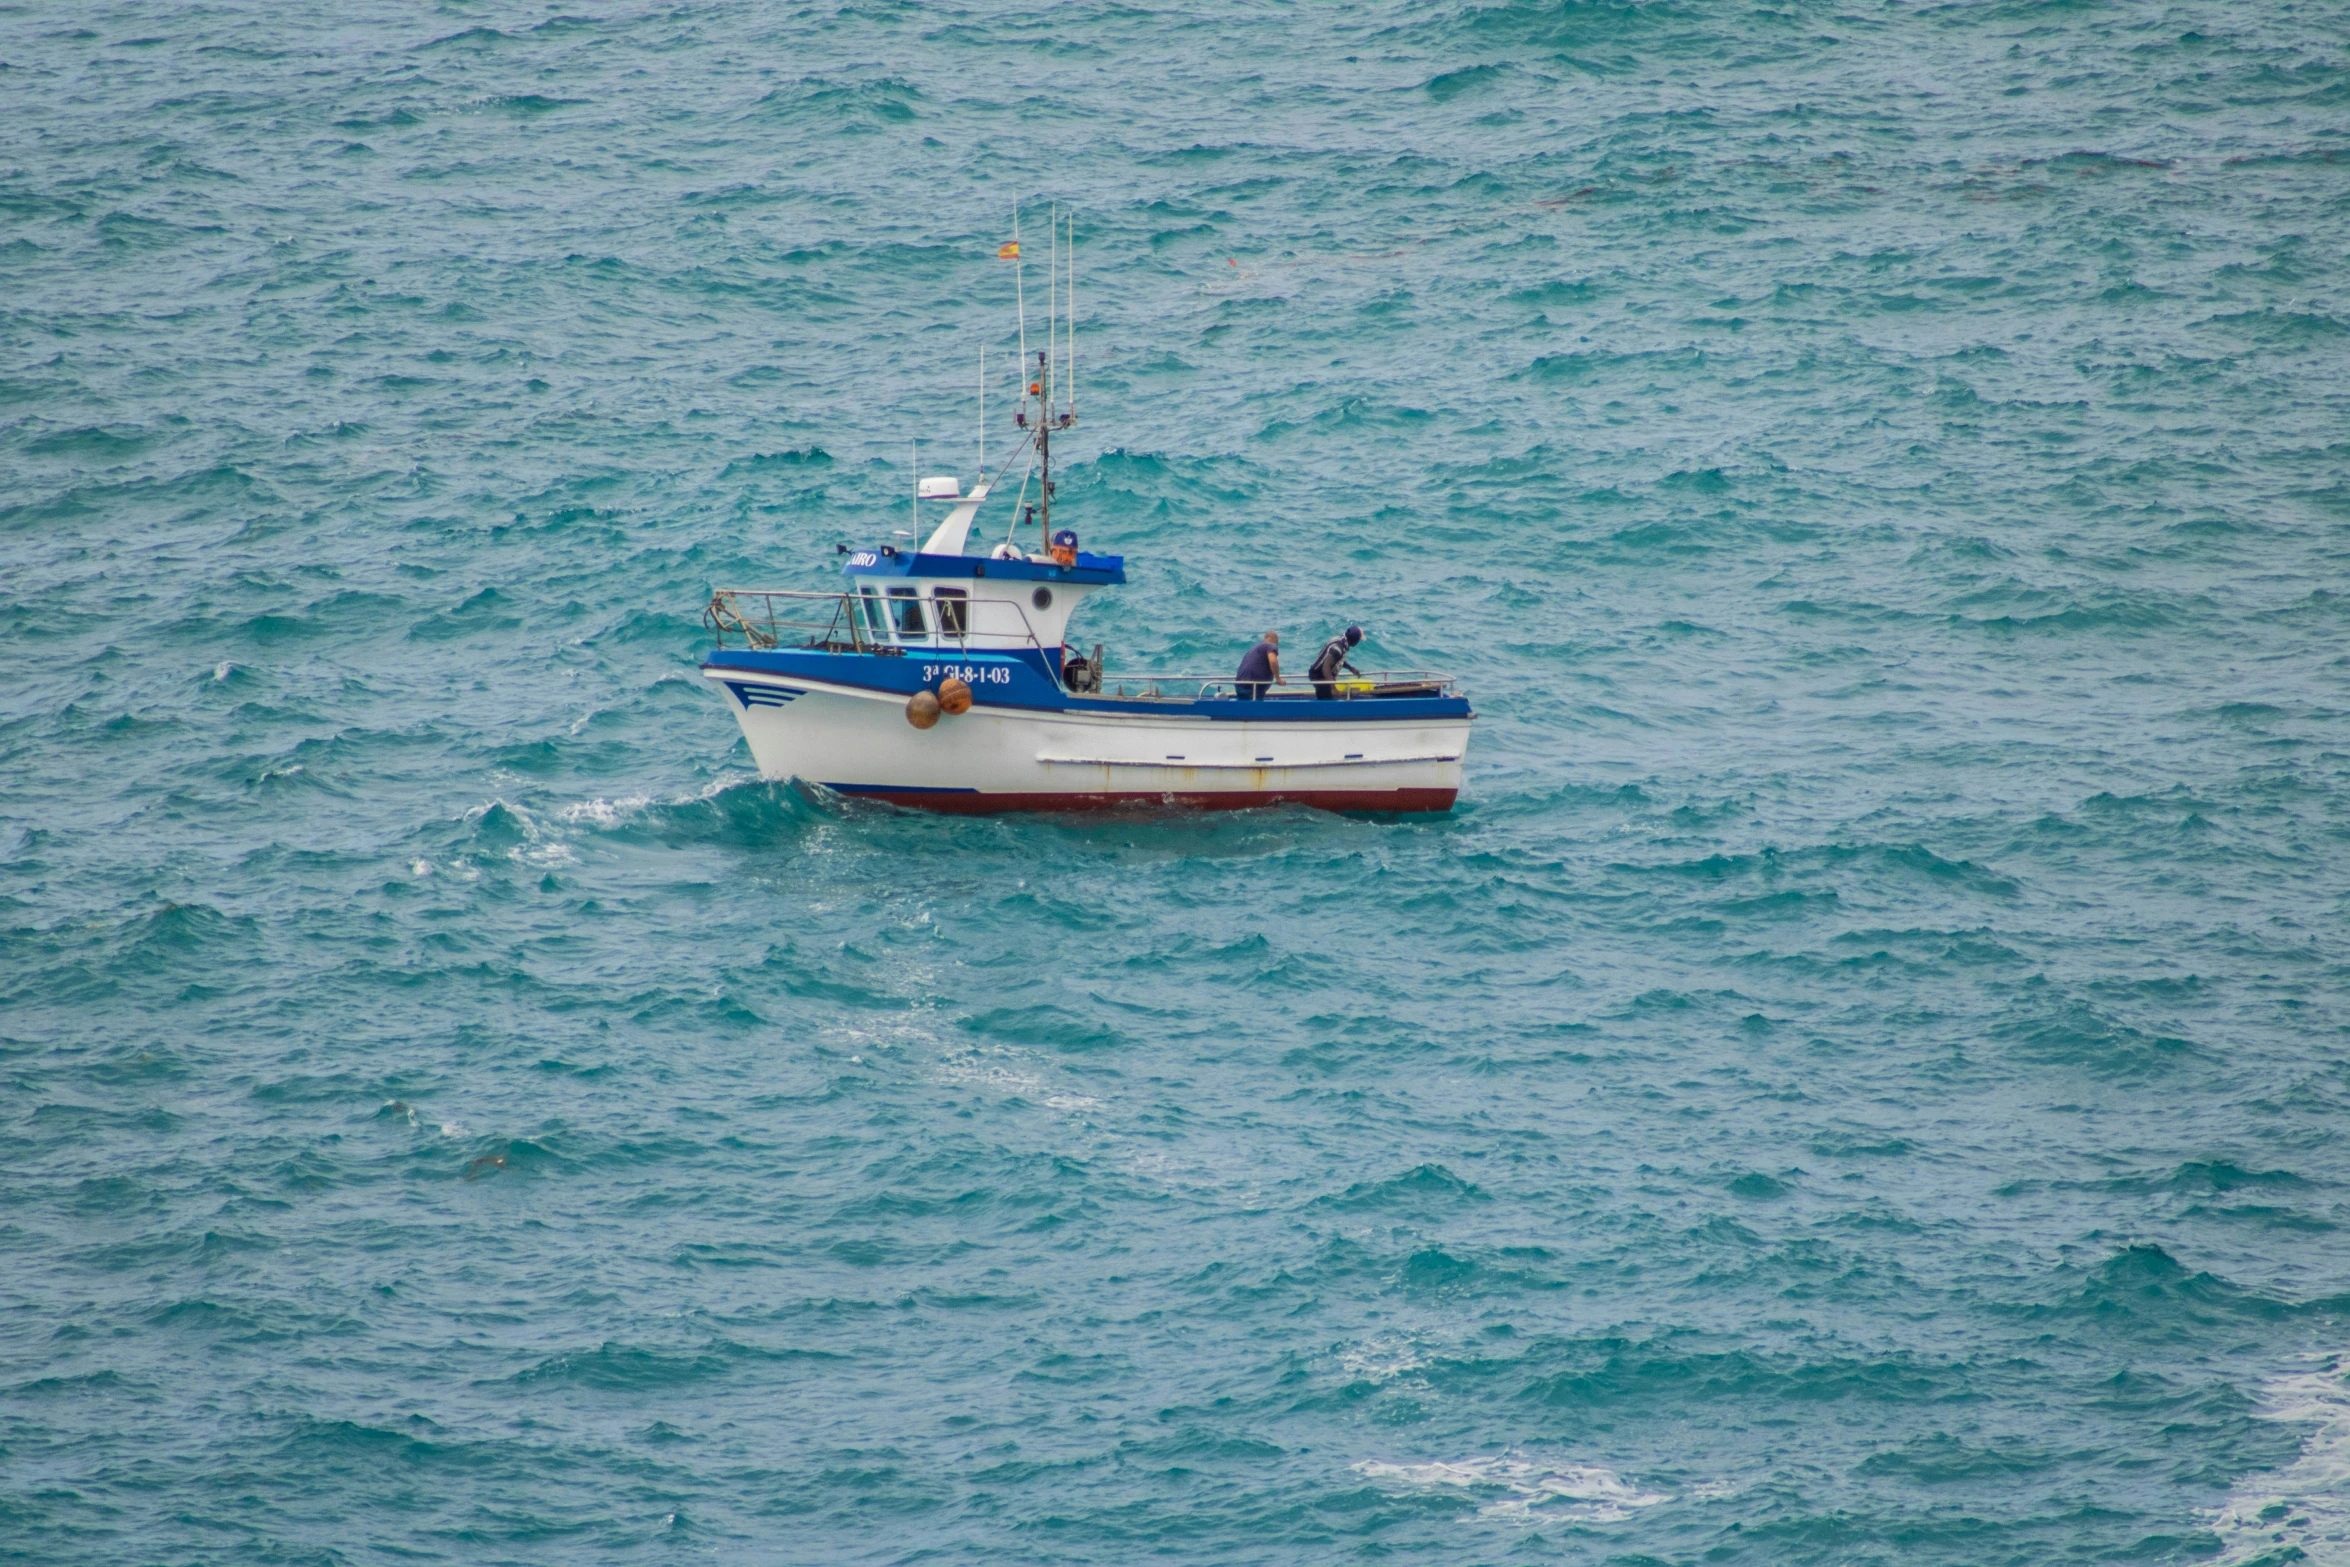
(1859, 1078)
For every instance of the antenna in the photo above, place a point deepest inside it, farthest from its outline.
(917, 461)
(1072, 313)
(1052, 308)
(1019, 291)
(983, 407)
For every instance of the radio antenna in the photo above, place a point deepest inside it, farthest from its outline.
(1052, 297)
(1072, 313)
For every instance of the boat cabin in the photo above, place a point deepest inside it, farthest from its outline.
(939, 597)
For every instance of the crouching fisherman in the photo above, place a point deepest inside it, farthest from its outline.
(1260, 667)
(1331, 660)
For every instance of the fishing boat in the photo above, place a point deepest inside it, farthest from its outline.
(945, 680)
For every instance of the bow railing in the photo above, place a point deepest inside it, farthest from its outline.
(860, 622)
(1347, 687)
(765, 618)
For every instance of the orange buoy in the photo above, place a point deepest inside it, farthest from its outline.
(922, 710)
(953, 696)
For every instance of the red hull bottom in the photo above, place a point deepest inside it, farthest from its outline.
(973, 803)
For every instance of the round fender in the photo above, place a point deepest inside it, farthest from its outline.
(922, 710)
(953, 696)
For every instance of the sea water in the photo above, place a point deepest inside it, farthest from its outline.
(1859, 1078)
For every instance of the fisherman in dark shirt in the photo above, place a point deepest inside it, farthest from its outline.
(1259, 667)
(1331, 660)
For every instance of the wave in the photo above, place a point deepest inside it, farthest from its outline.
(1047, 1026)
(2113, 612)
(2063, 1031)
(2284, 328)
(630, 1368)
(1514, 1487)
(2300, 1512)
(2144, 1291)
(485, 612)
(1909, 861)
(795, 460)
(1655, 1375)
(470, 38)
(89, 442)
(530, 105)
(1415, 1189)
(1557, 25)
(732, 813)
(147, 499)
(842, 108)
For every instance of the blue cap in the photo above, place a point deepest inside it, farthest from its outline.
(1354, 634)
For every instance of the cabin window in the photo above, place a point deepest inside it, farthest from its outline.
(954, 616)
(876, 623)
(907, 602)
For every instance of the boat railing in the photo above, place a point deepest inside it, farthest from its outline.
(766, 618)
(1205, 688)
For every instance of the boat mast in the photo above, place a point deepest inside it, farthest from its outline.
(1039, 391)
(1044, 383)
(1071, 306)
(1043, 388)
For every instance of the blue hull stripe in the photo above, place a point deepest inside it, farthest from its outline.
(763, 696)
(1031, 689)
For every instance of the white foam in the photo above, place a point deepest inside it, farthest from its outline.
(221, 673)
(421, 868)
(985, 1068)
(1513, 1487)
(716, 787)
(2306, 1504)
(539, 846)
(1388, 1355)
(604, 813)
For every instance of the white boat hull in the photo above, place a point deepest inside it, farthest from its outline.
(997, 758)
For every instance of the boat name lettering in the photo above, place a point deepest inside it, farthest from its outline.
(863, 558)
(969, 674)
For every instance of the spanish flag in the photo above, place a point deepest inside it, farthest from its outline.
(1008, 251)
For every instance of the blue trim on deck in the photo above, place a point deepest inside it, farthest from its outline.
(1095, 570)
(1025, 683)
